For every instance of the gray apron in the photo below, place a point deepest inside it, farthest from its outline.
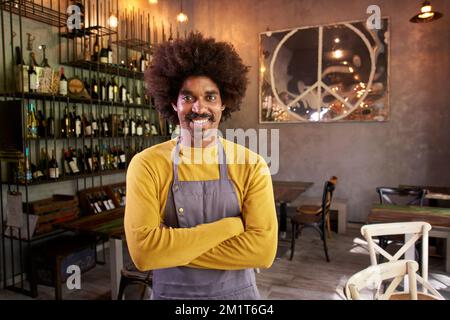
(190, 203)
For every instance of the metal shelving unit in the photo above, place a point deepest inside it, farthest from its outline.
(15, 250)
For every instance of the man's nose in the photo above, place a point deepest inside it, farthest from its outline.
(198, 106)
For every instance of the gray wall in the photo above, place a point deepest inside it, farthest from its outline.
(412, 148)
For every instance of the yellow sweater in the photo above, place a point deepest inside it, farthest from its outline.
(227, 244)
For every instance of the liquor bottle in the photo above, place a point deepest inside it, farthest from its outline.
(120, 126)
(62, 83)
(78, 124)
(105, 126)
(142, 63)
(27, 169)
(123, 93)
(154, 130)
(66, 125)
(147, 129)
(87, 126)
(32, 79)
(103, 91)
(32, 124)
(94, 89)
(122, 159)
(53, 169)
(95, 129)
(110, 51)
(104, 54)
(137, 97)
(132, 126)
(126, 125)
(43, 162)
(51, 125)
(95, 55)
(110, 91)
(115, 89)
(73, 167)
(42, 124)
(139, 127)
(81, 161)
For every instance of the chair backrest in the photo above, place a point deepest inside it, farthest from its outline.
(415, 229)
(401, 196)
(327, 195)
(374, 276)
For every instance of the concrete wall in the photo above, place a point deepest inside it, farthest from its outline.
(412, 148)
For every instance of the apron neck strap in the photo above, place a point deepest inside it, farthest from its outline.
(223, 170)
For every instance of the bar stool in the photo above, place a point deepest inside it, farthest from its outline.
(131, 275)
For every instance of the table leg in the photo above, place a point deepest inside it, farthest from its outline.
(283, 220)
(116, 265)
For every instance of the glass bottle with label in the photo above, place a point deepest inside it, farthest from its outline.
(95, 129)
(62, 83)
(95, 55)
(78, 125)
(53, 170)
(87, 126)
(94, 89)
(139, 127)
(104, 54)
(32, 124)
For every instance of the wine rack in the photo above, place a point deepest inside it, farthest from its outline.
(72, 151)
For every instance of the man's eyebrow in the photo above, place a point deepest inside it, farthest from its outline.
(185, 91)
(212, 92)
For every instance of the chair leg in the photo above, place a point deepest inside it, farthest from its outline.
(293, 237)
(324, 238)
(122, 285)
(328, 226)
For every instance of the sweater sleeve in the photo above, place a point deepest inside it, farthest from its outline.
(152, 247)
(256, 247)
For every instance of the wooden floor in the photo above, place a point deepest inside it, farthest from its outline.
(308, 276)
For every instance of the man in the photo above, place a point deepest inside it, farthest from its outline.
(199, 212)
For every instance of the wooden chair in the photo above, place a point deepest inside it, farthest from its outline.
(401, 196)
(317, 217)
(373, 277)
(415, 230)
(131, 275)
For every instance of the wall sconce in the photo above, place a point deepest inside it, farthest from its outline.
(182, 17)
(426, 14)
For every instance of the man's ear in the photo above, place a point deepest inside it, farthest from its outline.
(174, 107)
(222, 107)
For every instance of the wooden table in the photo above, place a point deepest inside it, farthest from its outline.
(284, 193)
(439, 218)
(110, 226)
(433, 193)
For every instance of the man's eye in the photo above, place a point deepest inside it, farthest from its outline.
(188, 98)
(211, 98)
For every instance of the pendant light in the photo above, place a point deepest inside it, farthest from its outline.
(426, 14)
(182, 17)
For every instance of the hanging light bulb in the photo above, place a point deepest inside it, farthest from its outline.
(182, 17)
(113, 21)
(153, 1)
(426, 14)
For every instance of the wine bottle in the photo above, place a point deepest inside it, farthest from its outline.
(105, 126)
(66, 125)
(126, 125)
(104, 54)
(132, 126)
(95, 129)
(70, 162)
(139, 127)
(87, 126)
(91, 202)
(103, 90)
(88, 156)
(42, 124)
(137, 97)
(28, 174)
(147, 129)
(32, 79)
(115, 89)
(110, 91)
(51, 125)
(81, 161)
(95, 55)
(122, 159)
(110, 51)
(78, 125)
(62, 83)
(94, 89)
(154, 130)
(142, 63)
(53, 170)
(123, 93)
(32, 125)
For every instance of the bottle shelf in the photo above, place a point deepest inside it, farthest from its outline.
(70, 177)
(112, 69)
(134, 44)
(34, 11)
(101, 138)
(89, 31)
(50, 97)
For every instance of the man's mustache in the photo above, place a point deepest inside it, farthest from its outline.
(193, 115)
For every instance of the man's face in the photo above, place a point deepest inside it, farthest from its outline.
(199, 106)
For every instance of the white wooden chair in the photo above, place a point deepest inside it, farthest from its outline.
(412, 231)
(373, 277)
